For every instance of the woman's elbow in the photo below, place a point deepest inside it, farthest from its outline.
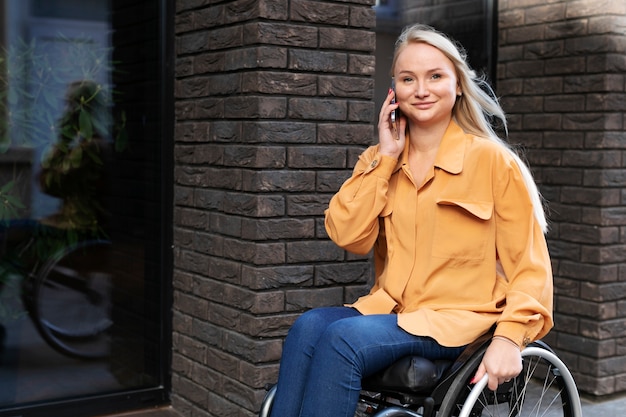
(358, 245)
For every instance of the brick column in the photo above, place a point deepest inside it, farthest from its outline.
(561, 76)
(273, 106)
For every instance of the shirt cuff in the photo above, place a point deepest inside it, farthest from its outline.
(382, 166)
(515, 332)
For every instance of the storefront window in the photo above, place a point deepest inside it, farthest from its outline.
(82, 246)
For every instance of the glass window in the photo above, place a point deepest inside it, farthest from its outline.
(82, 248)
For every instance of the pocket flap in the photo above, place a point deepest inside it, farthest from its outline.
(481, 209)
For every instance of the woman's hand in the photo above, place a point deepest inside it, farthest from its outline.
(391, 136)
(502, 361)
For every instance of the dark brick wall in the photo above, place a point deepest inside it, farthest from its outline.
(274, 102)
(561, 77)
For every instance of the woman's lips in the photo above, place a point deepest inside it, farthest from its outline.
(424, 105)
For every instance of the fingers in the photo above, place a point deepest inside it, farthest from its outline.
(384, 119)
(495, 376)
(479, 374)
(493, 383)
(502, 362)
(391, 136)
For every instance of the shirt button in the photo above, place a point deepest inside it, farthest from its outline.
(526, 341)
(374, 163)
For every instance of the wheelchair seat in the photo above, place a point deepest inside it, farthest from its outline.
(411, 374)
(418, 375)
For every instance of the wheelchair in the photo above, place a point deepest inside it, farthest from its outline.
(417, 387)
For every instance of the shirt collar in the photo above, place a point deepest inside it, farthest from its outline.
(451, 151)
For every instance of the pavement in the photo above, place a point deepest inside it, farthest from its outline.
(613, 407)
(155, 412)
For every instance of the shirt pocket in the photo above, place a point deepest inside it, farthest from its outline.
(462, 229)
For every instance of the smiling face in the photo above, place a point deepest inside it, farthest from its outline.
(426, 84)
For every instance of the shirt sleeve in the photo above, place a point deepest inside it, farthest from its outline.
(352, 216)
(523, 253)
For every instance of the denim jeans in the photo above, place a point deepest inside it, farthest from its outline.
(327, 352)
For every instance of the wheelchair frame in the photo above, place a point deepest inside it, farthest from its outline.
(545, 387)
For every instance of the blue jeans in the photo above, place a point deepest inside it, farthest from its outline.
(328, 351)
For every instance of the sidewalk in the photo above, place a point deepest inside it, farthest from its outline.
(606, 408)
(153, 412)
(615, 407)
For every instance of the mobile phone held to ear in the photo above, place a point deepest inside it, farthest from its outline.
(394, 113)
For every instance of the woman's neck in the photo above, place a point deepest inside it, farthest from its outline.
(426, 138)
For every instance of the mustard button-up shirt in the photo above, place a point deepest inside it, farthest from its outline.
(454, 255)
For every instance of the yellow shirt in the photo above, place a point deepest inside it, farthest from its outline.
(458, 254)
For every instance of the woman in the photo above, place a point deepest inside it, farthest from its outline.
(457, 228)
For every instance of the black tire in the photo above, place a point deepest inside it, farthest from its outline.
(545, 387)
(71, 300)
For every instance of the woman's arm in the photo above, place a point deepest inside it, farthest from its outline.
(352, 214)
(522, 249)
(523, 252)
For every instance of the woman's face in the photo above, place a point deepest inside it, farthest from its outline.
(426, 84)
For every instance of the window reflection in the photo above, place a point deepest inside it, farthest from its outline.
(72, 309)
(73, 170)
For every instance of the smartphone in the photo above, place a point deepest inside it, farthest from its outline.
(395, 113)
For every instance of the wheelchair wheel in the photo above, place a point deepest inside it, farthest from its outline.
(71, 300)
(266, 406)
(545, 387)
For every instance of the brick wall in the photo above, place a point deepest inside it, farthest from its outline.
(274, 102)
(561, 76)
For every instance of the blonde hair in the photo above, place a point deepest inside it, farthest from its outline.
(478, 103)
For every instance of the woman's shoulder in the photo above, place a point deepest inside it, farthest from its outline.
(493, 148)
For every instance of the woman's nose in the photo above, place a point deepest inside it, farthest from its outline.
(421, 89)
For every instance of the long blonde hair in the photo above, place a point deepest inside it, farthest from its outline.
(478, 103)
